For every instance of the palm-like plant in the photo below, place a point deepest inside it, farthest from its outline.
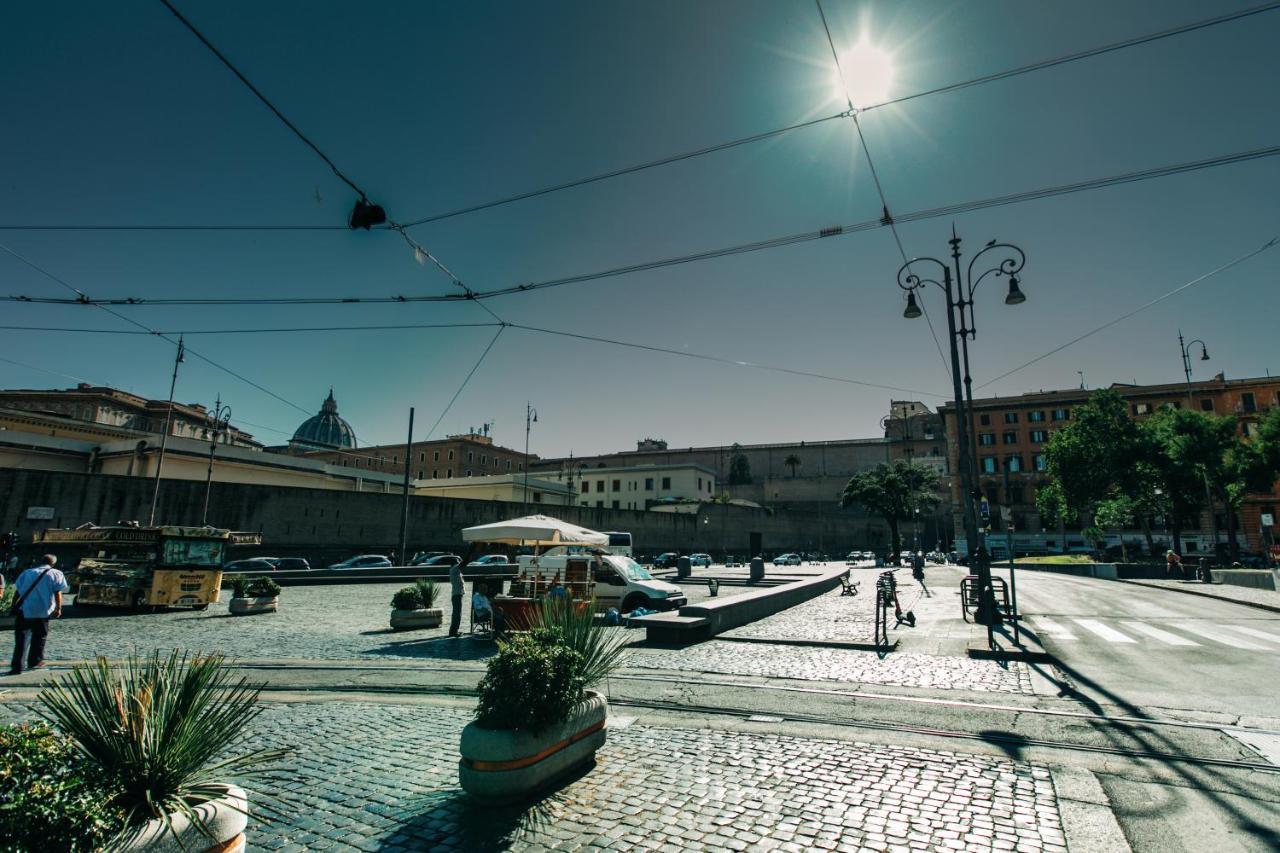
(601, 648)
(157, 728)
(792, 462)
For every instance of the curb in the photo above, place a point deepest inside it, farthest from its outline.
(817, 644)
(1269, 607)
(984, 653)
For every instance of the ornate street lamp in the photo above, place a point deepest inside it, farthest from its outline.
(1185, 349)
(220, 420)
(530, 418)
(959, 289)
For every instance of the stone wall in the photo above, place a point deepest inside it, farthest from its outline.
(324, 525)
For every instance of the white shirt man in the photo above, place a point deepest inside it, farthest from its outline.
(40, 589)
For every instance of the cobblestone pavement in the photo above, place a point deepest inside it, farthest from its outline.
(384, 777)
(906, 669)
(1227, 592)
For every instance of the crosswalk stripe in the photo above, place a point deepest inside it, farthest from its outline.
(1163, 636)
(1221, 637)
(1111, 635)
(1265, 635)
(1053, 629)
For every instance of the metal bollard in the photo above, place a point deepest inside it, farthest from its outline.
(757, 569)
(683, 569)
(713, 587)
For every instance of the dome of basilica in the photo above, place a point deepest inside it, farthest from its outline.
(326, 430)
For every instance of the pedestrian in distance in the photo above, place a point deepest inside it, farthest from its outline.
(917, 572)
(37, 598)
(1172, 565)
(455, 591)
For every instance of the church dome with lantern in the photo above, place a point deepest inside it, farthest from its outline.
(326, 430)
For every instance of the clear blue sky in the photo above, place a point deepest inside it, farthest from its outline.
(114, 113)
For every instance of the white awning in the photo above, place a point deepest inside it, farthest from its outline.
(541, 530)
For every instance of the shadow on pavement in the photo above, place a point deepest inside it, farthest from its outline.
(452, 820)
(438, 648)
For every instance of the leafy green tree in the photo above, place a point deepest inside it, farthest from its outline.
(792, 462)
(893, 492)
(1116, 513)
(1093, 455)
(739, 467)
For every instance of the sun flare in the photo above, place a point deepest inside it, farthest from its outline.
(868, 75)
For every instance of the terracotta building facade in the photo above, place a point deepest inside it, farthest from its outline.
(458, 456)
(1011, 433)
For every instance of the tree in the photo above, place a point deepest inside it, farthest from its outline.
(893, 492)
(1183, 442)
(1116, 513)
(739, 467)
(792, 462)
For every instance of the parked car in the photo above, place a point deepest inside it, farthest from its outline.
(441, 560)
(699, 559)
(364, 561)
(421, 557)
(294, 564)
(731, 560)
(666, 561)
(488, 560)
(787, 560)
(254, 564)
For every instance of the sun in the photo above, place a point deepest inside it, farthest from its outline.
(868, 75)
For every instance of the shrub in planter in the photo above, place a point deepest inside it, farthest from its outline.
(6, 601)
(51, 798)
(254, 595)
(159, 734)
(414, 607)
(536, 721)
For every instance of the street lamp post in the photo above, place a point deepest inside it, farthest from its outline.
(1184, 347)
(220, 420)
(530, 418)
(959, 293)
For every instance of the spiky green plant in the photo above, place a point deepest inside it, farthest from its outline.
(601, 648)
(158, 728)
(427, 592)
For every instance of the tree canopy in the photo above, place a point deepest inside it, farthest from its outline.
(894, 492)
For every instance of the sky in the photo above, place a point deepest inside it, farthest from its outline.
(115, 114)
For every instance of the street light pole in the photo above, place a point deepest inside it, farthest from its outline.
(1184, 347)
(221, 420)
(530, 418)
(959, 294)
(164, 436)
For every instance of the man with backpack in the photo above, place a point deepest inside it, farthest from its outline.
(37, 598)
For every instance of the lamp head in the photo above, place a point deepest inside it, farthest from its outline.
(365, 215)
(1016, 296)
(1204, 353)
(913, 309)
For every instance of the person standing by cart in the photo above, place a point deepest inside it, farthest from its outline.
(37, 598)
(455, 596)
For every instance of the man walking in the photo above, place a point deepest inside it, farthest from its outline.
(39, 591)
(456, 590)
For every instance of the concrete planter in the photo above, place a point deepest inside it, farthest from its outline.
(503, 766)
(223, 819)
(409, 620)
(250, 606)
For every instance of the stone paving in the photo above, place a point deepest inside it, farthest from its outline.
(384, 777)
(905, 669)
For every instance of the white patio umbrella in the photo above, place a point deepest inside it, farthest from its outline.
(539, 530)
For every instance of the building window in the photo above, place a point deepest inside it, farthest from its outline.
(988, 464)
(435, 456)
(617, 485)
(537, 497)
(1010, 438)
(483, 458)
(1247, 403)
(699, 484)
(450, 455)
(1061, 414)
(1015, 494)
(1015, 464)
(419, 474)
(508, 464)
(1035, 417)
(448, 473)
(1039, 436)
(600, 504)
(648, 484)
(666, 483)
(1206, 405)
(468, 472)
(1040, 462)
(471, 456)
(985, 420)
(615, 505)
(599, 485)
(395, 460)
(422, 457)
(435, 473)
(586, 486)
(1011, 417)
(987, 439)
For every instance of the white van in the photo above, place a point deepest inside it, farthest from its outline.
(620, 581)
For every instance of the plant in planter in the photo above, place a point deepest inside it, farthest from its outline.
(415, 607)
(157, 733)
(536, 720)
(6, 601)
(254, 595)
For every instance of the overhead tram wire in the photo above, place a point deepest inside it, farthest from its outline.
(875, 177)
(466, 380)
(755, 246)
(1270, 244)
(257, 331)
(1086, 53)
(84, 297)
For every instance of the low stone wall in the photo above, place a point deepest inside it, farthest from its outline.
(1106, 571)
(697, 622)
(1252, 578)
